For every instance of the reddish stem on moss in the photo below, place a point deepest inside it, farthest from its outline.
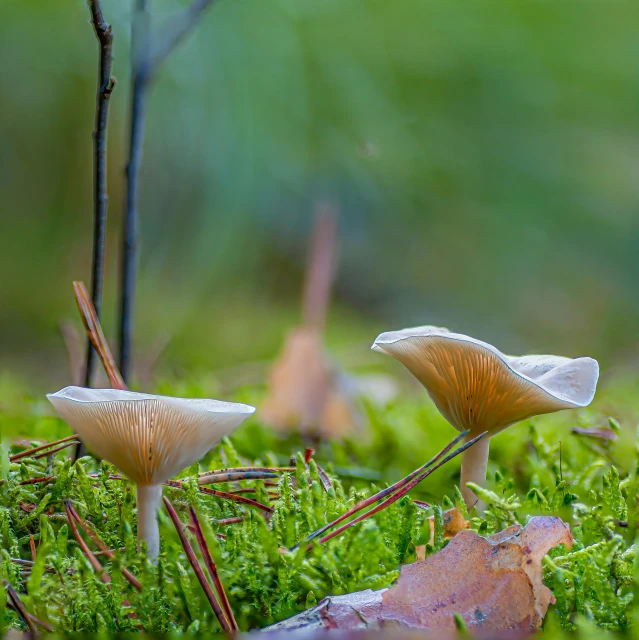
(400, 493)
(48, 445)
(96, 336)
(95, 563)
(383, 493)
(44, 454)
(212, 569)
(104, 549)
(18, 606)
(190, 554)
(234, 476)
(223, 494)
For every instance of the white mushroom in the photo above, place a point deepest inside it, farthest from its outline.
(149, 438)
(476, 387)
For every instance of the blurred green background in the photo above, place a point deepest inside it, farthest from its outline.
(484, 157)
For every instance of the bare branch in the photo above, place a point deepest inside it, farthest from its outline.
(145, 61)
(181, 26)
(106, 82)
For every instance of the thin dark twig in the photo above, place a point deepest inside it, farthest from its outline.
(95, 563)
(212, 569)
(19, 607)
(180, 28)
(104, 549)
(106, 82)
(145, 61)
(28, 452)
(384, 492)
(190, 554)
(401, 493)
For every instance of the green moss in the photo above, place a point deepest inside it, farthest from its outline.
(590, 484)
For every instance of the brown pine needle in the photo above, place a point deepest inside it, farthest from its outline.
(326, 481)
(227, 521)
(18, 606)
(29, 452)
(236, 469)
(95, 563)
(33, 548)
(190, 554)
(44, 454)
(400, 493)
(104, 549)
(96, 336)
(212, 569)
(37, 480)
(41, 623)
(384, 492)
(176, 484)
(234, 476)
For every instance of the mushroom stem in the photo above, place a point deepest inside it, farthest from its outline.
(149, 501)
(473, 469)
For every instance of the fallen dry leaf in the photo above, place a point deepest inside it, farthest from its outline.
(494, 584)
(453, 523)
(303, 391)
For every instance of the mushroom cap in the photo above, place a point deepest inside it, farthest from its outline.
(477, 387)
(149, 438)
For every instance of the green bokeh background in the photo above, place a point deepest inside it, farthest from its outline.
(483, 156)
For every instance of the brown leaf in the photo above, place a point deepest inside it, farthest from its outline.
(453, 523)
(27, 506)
(494, 583)
(303, 391)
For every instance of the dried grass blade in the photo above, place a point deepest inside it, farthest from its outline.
(29, 452)
(95, 563)
(190, 554)
(104, 549)
(401, 492)
(212, 569)
(96, 336)
(19, 607)
(380, 495)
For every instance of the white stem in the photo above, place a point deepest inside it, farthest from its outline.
(473, 469)
(149, 501)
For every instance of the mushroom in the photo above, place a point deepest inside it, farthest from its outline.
(478, 388)
(149, 438)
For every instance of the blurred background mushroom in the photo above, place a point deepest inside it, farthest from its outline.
(149, 438)
(478, 388)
